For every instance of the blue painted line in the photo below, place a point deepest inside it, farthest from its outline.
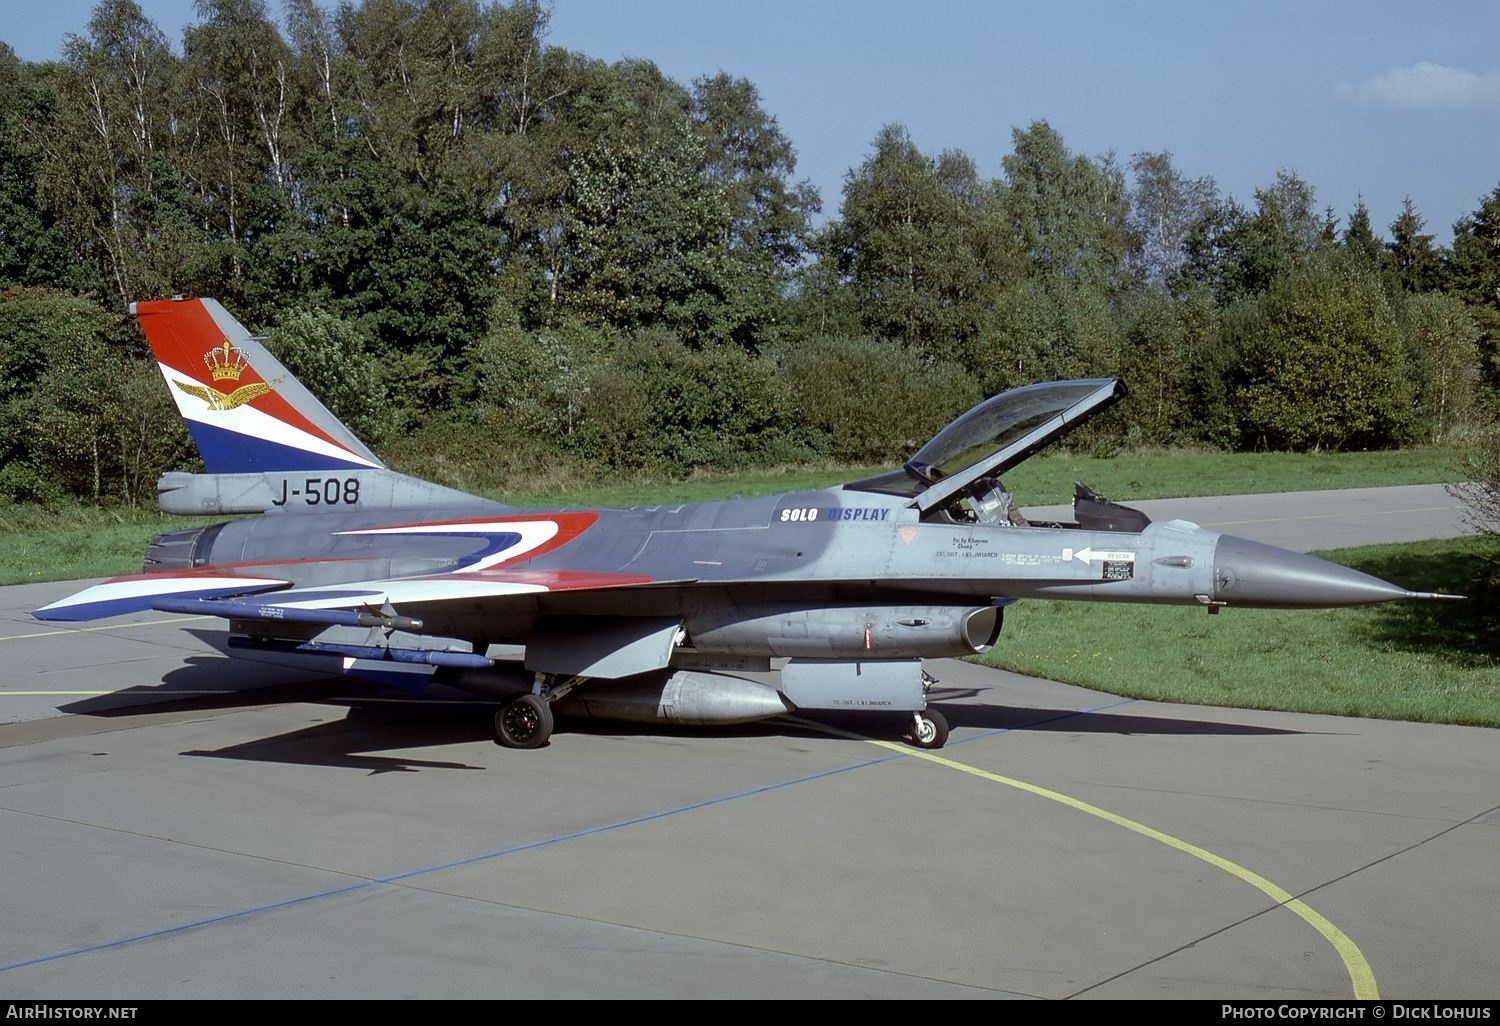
(457, 863)
(167, 931)
(516, 850)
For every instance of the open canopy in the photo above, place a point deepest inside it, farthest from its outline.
(995, 436)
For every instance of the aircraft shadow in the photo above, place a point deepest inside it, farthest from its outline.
(345, 743)
(1072, 721)
(185, 689)
(227, 680)
(382, 720)
(392, 723)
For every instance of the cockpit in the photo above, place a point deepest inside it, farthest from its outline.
(956, 476)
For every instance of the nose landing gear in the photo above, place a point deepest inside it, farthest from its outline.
(928, 729)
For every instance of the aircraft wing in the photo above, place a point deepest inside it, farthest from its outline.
(319, 604)
(428, 605)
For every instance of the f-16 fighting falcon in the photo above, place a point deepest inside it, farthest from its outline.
(645, 614)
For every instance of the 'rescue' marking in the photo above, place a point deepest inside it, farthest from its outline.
(1090, 554)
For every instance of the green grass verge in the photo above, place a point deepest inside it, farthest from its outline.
(646, 491)
(64, 545)
(1048, 480)
(1167, 475)
(1431, 661)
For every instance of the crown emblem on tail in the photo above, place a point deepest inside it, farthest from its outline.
(225, 362)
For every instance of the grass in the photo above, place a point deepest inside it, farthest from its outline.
(704, 487)
(46, 545)
(1429, 661)
(1048, 480)
(1174, 474)
(60, 545)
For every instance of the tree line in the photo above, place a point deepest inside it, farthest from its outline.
(494, 257)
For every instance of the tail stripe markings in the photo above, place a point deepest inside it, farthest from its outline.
(245, 434)
(187, 335)
(244, 411)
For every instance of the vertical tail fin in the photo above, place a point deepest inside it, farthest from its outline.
(245, 412)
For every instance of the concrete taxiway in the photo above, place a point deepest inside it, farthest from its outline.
(177, 824)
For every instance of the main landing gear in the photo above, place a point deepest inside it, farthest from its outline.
(526, 722)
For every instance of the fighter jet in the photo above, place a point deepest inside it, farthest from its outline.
(651, 614)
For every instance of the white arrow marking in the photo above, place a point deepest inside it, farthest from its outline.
(1088, 555)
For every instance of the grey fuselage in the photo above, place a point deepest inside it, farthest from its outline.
(722, 567)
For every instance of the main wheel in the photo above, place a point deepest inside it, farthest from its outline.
(928, 729)
(524, 723)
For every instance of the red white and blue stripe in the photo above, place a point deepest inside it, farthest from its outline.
(252, 416)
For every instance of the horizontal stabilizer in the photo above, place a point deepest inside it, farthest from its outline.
(136, 593)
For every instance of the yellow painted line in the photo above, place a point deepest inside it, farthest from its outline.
(107, 627)
(1360, 974)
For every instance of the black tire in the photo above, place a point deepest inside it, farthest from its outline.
(930, 730)
(524, 723)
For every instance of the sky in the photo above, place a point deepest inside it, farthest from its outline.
(1371, 99)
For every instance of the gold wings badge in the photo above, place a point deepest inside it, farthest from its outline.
(218, 400)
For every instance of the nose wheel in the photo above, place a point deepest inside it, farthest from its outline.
(526, 722)
(928, 729)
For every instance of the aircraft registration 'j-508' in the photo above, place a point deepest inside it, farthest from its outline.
(645, 614)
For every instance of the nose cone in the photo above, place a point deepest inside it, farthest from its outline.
(1248, 573)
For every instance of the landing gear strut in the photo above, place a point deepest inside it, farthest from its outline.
(928, 729)
(526, 722)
